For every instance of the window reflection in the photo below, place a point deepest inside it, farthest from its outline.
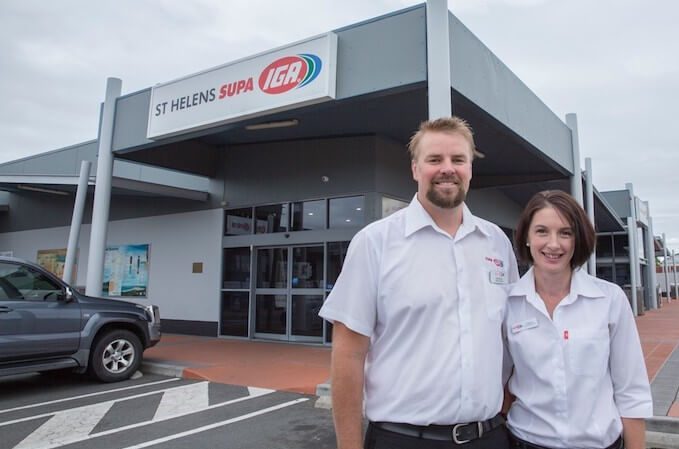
(307, 267)
(308, 215)
(347, 212)
(238, 221)
(235, 309)
(273, 218)
(272, 268)
(236, 268)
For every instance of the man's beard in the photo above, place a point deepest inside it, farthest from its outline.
(446, 201)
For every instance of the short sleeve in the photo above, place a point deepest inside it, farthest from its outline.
(631, 388)
(353, 299)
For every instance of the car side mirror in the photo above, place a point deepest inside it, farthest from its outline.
(66, 295)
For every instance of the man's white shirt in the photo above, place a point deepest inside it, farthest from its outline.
(574, 375)
(432, 306)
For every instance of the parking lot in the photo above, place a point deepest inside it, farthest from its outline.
(70, 411)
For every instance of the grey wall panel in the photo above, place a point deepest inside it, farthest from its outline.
(290, 171)
(62, 162)
(176, 241)
(32, 210)
(481, 77)
(381, 54)
(131, 118)
(495, 206)
(619, 201)
(393, 175)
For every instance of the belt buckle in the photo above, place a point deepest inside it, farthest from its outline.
(456, 426)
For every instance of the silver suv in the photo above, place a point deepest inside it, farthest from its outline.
(45, 325)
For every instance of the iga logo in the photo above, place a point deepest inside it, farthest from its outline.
(289, 72)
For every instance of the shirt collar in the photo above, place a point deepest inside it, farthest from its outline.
(417, 218)
(582, 284)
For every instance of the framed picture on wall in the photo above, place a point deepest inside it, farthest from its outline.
(126, 270)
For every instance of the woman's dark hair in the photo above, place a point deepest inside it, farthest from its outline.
(583, 231)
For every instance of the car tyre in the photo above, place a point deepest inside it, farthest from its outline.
(116, 356)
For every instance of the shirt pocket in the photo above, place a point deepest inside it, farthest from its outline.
(588, 351)
(495, 297)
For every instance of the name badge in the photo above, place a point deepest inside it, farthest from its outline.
(497, 276)
(524, 325)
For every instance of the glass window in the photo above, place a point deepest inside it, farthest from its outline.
(272, 268)
(347, 212)
(238, 221)
(236, 268)
(273, 218)
(21, 282)
(605, 272)
(604, 246)
(337, 252)
(620, 245)
(622, 274)
(235, 309)
(271, 314)
(307, 267)
(305, 319)
(308, 215)
(390, 205)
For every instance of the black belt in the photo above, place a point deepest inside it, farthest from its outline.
(521, 444)
(458, 433)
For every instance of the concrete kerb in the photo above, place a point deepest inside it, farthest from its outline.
(323, 392)
(662, 432)
(162, 369)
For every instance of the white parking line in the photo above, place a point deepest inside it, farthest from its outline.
(141, 395)
(253, 393)
(98, 393)
(215, 425)
(76, 423)
(183, 401)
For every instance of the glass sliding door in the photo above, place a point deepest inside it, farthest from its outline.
(289, 292)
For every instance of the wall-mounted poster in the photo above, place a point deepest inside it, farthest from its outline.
(126, 270)
(53, 260)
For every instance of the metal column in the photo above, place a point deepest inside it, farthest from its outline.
(633, 261)
(664, 258)
(589, 196)
(102, 191)
(76, 221)
(652, 277)
(438, 59)
(576, 179)
(674, 271)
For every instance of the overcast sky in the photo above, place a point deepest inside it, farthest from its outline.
(614, 63)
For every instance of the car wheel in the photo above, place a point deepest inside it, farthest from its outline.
(116, 356)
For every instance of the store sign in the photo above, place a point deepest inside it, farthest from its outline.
(281, 79)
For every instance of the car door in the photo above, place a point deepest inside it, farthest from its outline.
(35, 322)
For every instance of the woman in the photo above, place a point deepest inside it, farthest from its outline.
(579, 376)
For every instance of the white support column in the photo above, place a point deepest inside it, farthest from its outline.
(76, 221)
(664, 258)
(674, 271)
(438, 59)
(589, 197)
(633, 261)
(576, 179)
(652, 276)
(633, 244)
(102, 191)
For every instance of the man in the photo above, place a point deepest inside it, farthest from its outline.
(417, 311)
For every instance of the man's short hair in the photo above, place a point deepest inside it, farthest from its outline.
(583, 231)
(450, 125)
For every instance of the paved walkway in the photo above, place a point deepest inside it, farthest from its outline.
(300, 368)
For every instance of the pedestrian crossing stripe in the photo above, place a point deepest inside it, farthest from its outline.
(76, 424)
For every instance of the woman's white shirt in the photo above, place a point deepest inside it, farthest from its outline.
(576, 374)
